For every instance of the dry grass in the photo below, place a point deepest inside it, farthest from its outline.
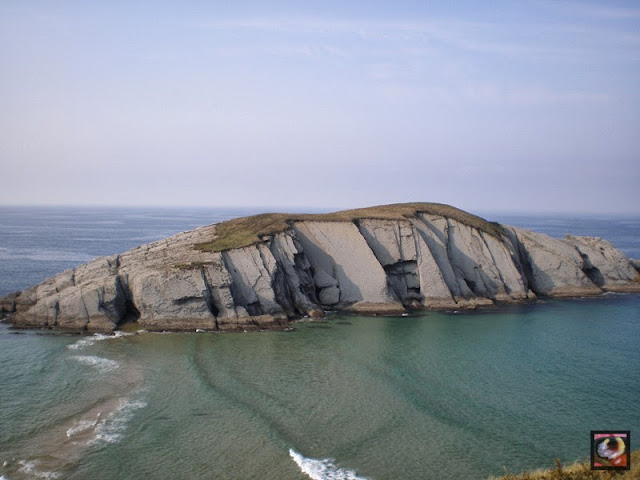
(578, 471)
(245, 231)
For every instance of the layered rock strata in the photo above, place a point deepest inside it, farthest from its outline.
(365, 264)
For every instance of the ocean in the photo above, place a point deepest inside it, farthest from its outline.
(430, 396)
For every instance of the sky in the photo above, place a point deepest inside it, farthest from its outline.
(524, 106)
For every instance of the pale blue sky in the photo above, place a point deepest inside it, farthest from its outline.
(512, 106)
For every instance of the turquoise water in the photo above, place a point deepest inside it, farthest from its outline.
(430, 396)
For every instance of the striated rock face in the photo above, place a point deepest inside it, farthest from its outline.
(365, 263)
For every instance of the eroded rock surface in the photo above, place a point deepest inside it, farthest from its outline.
(373, 265)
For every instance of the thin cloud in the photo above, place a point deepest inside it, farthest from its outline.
(486, 94)
(505, 39)
(598, 11)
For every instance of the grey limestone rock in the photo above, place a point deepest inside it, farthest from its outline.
(435, 233)
(371, 265)
(434, 289)
(327, 287)
(251, 269)
(293, 279)
(605, 266)
(339, 250)
(394, 246)
(555, 266)
(166, 297)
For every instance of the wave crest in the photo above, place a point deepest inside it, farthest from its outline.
(323, 469)
(102, 364)
(96, 337)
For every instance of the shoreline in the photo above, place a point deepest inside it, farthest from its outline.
(263, 271)
(289, 324)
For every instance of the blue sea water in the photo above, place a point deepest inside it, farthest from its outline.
(436, 395)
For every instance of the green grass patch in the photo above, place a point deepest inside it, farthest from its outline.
(245, 231)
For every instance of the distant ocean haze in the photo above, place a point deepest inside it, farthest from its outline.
(39, 242)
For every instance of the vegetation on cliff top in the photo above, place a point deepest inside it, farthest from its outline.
(245, 231)
(579, 471)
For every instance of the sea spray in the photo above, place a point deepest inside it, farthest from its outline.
(323, 469)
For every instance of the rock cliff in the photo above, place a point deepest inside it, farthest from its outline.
(264, 271)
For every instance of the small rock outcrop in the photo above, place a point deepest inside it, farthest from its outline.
(379, 260)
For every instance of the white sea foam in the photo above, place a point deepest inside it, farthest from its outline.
(87, 341)
(322, 469)
(108, 425)
(4, 477)
(82, 426)
(96, 337)
(102, 364)
(112, 429)
(30, 469)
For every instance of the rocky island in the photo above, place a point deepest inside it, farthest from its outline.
(266, 270)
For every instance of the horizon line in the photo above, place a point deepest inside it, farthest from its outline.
(319, 209)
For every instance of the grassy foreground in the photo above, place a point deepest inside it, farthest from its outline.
(245, 231)
(578, 471)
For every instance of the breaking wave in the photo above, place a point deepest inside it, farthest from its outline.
(323, 469)
(107, 428)
(102, 364)
(82, 426)
(30, 469)
(96, 337)
(113, 428)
